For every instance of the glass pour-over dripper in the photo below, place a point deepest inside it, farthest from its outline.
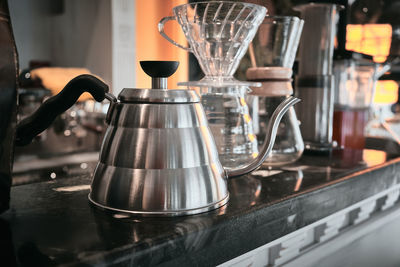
(218, 34)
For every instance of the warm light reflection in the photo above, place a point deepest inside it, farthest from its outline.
(242, 102)
(374, 157)
(386, 92)
(299, 180)
(251, 137)
(247, 118)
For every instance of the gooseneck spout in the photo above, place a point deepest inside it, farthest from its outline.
(269, 140)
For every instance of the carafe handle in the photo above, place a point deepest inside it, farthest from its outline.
(42, 118)
(161, 30)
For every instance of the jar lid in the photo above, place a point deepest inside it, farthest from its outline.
(268, 73)
(136, 95)
(275, 81)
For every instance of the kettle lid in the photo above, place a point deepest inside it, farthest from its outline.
(159, 71)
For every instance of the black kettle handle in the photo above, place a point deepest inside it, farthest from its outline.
(42, 118)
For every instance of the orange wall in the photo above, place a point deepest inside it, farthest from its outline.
(150, 45)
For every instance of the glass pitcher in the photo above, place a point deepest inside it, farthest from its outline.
(272, 53)
(230, 123)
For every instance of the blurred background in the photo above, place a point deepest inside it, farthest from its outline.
(108, 38)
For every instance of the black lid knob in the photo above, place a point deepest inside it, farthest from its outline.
(159, 69)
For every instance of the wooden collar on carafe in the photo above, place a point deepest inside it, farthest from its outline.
(275, 81)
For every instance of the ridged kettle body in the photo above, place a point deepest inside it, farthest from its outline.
(159, 158)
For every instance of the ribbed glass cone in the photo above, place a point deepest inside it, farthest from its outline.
(219, 32)
(276, 42)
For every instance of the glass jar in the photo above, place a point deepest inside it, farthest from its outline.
(230, 123)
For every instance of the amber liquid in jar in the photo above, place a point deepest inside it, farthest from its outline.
(349, 126)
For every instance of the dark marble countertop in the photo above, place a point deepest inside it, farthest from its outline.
(52, 223)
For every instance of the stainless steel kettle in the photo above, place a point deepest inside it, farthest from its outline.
(158, 155)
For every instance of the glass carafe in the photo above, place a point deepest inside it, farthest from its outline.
(230, 123)
(276, 87)
(272, 54)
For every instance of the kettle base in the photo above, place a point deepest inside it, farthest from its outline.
(169, 213)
